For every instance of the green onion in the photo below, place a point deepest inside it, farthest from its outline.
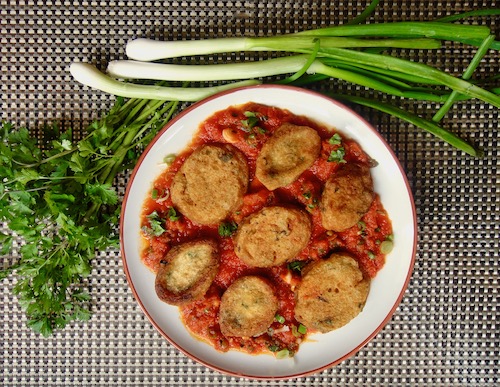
(302, 329)
(477, 12)
(331, 52)
(400, 65)
(150, 50)
(434, 30)
(90, 76)
(364, 15)
(386, 247)
(169, 159)
(284, 353)
(429, 126)
(129, 69)
(483, 48)
(305, 67)
(279, 318)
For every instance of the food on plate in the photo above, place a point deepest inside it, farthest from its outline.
(272, 236)
(288, 152)
(273, 247)
(247, 307)
(187, 271)
(331, 293)
(347, 196)
(211, 183)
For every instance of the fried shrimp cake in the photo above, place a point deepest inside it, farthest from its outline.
(187, 272)
(332, 292)
(247, 307)
(289, 152)
(211, 183)
(347, 196)
(272, 236)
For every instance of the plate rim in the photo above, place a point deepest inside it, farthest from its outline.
(190, 355)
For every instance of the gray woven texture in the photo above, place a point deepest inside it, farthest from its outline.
(444, 333)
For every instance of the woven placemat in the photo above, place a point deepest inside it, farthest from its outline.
(444, 333)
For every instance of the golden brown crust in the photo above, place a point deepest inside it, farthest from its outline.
(272, 236)
(211, 183)
(187, 271)
(248, 307)
(347, 196)
(290, 151)
(332, 292)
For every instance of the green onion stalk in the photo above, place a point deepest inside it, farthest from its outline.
(353, 53)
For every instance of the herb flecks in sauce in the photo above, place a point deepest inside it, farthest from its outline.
(248, 127)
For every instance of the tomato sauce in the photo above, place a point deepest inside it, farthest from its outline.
(251, 125)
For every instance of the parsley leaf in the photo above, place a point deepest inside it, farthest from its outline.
(172, 214)
(337, 155)
(57, 196)
(155, 224)
(226, 229)
(335, 139)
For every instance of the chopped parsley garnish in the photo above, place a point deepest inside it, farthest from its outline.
(335, 139)
(226, 229)
(251, 121)
(313, 204)
(296, 266)
(362, 228)
(155, 225)
(172, 214)
(337, 155)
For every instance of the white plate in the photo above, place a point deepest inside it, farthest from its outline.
(322, 350)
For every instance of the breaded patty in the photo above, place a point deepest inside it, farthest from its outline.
(211, 183)
(347, 196)
(247, 307)
(187, 272)
(272, 236)
(289, 152)
(332, 292)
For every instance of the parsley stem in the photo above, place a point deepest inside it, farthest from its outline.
(46, 160)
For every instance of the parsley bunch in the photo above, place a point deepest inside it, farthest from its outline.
(57, 198)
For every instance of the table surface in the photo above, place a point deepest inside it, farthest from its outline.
(444, 332)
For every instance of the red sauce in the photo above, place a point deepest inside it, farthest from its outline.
(362, 241)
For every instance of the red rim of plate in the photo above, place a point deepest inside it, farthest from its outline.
(232, 373)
